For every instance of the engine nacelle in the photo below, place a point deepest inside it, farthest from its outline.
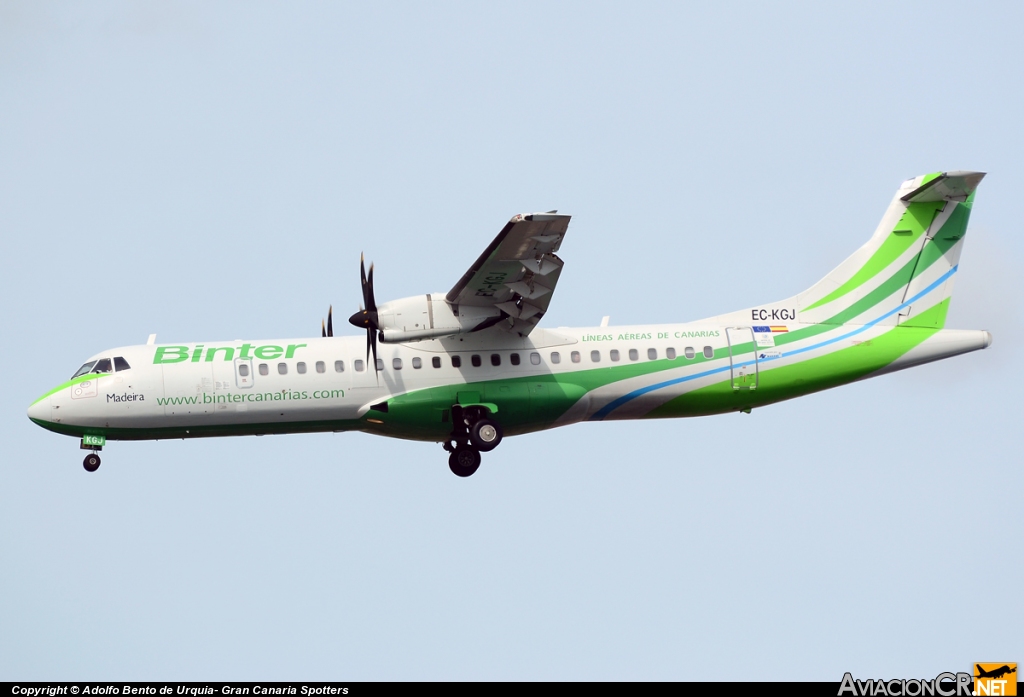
(429, 317)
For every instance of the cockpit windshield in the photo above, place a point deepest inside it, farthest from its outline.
(121, 364)
(84, 369)
(103, 365)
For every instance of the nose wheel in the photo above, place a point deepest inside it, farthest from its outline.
(91, 463)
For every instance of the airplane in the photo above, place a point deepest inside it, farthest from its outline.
(468, 367)
(994, 673)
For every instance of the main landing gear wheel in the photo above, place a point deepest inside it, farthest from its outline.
(485, 435)
(464, 460)
(91, 463)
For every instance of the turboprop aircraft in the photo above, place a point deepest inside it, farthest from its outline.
(467, 367)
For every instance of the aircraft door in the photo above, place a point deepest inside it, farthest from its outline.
(243, 373)
(742, 357)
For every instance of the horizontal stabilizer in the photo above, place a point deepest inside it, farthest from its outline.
(949, 186)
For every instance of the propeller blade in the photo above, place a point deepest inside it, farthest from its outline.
(367, 318)
(362, 278)
(371, 302)
(371, 336)
(330, 324)
(323, 332)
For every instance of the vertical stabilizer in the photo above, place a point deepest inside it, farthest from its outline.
(908, 266)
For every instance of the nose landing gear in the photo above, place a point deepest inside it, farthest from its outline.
(91, 463)
(94, 444)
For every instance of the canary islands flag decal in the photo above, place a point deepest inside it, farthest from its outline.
(764, 335)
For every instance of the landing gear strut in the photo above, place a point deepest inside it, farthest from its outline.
(474, 432)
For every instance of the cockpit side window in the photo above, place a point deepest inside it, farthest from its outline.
(84, 369)
(121, 364)
(102, 366)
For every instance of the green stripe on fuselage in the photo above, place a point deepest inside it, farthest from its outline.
(525, 404)
(203, 431)
(811, 375)
(69, 383)
(908, 230)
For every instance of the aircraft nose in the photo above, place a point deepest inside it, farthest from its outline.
(40, 410)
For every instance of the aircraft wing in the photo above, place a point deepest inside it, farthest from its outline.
(518, 271)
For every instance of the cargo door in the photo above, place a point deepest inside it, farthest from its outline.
(742, 357)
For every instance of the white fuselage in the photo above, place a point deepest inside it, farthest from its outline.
(324, 384)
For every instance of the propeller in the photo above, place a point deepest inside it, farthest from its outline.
(329, 331)
(367, 319)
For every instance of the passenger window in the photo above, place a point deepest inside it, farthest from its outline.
(282, 368)
(84, 369)
(264, 369)
(495, 359)
(475, 360)
(633, 355)
(595, 356)
(456, 361)
(339, 366)
(380, 364)
(709, 352)
(417, 363)
(243, 370)
(321, 367)
(535, 358)
(670, 353)
(689, 353)
(556, 357)
(436, 361)
(301, 367)
(575, 356)
(396, 363)
(121, 364)
(514, 359)
(614, 355)
(652, 354)
(102, 366)
(360, 366)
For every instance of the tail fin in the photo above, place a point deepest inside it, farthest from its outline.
(904, 274)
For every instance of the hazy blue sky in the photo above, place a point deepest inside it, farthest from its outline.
(212, 171)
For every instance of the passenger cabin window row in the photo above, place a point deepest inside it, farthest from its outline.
(118, 363)
(476, 360)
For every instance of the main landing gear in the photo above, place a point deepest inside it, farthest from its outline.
(464, 460)
(475, 433)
